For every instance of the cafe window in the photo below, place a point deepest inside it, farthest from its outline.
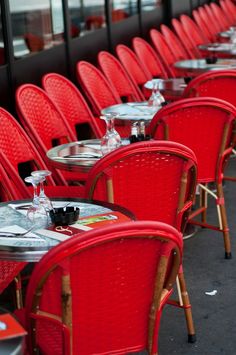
(86, 16)
(150, 5)
(2, 51)
(122, 9)
(36, 25)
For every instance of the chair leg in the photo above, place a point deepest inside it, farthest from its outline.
(223, 217)
(19, 298)
(187, 308)
(203, 203)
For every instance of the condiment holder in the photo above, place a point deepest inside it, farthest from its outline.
(63, 216)
(211, 60)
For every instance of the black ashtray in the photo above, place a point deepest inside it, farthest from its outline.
(63, 216)
(187, 79)
(211, 60)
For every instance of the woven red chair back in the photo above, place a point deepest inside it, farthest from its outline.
(201, 24)
(96, 87)
(184, 39)
(145, 178)
(153, 65)
(220, 84)
(220, 16)
(208, 20)
(193, 32)
(213, 20)
(174, 44)
(137, 71)
(99, 286)
(204, 125)
(118, 77)
(164, 52)
(228, 12)
(73, 106)
(231, 8)
(17, 148)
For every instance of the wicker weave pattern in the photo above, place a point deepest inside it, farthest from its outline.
(220, 16)
(41, 115)
(112, 273)
(194, 33)
(133, 65)
(9, 270)
(200, 22)
(198, 124)
(118, 77)
(153, 65)
(164, 52)
(174, 43)
(220, 84)
(192, 51)
(96, 87)
(70, 102)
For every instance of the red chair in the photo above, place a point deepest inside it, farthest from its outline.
(20, 157)
(44, 124)
(99, 91)
(220, 84)
(228, 12)
(164, 52)
(91, 294)
(174, 44)
(201, 24)
(135, 69)
(149, 58)
(118, 77)
(192, 51)
(96, 87)
(196, 37)
(231, 8)
(73, 106)
(220, 16)
(148, 179)
(213, 20)
(209, 23)
(206, 126)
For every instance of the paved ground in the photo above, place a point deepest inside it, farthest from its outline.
(206, 270)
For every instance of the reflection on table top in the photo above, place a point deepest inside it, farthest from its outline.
(225, 34)
(200, 65)
(132, 111)
(77, 156)
(227, 48)
(173, 86)
(35, 244)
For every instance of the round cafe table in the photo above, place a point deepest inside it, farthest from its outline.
(219, 48)
(37, 242)
(198, 66)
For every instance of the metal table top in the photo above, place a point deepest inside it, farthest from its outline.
(223, 48)
(36, 243)
(77, 156)
(132, 111)
(197, 66)
(169, 87)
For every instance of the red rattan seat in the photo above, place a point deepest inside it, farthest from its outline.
(149, 58)
(164, 52)
(102, 292)
(201, 24)
(146, 178)
(174, 44)
(99, 91)
(134, 67)
(73, 106)
(206, 126)
(228, 12)
(118, 77)
(208, 20)
(213, 20)
(192, 51)
(220, 16)
(44, 123)
(230, 8)
(194, 33)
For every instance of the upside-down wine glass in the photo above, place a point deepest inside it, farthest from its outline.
(111, 140)
(36, 213)
(43, 199)
(156, 98)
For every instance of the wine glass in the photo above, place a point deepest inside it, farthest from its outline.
(36, 213)
(156, 98)
(43, 199)
(111, 140)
